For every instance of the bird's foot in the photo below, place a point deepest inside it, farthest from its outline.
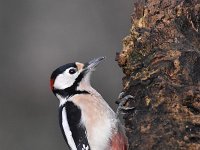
(122, 100)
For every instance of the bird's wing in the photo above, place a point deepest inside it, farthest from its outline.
(74, 133)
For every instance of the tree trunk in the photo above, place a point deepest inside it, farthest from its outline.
(161, 62)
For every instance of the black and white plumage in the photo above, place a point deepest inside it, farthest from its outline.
(86, 120)
(69, 119)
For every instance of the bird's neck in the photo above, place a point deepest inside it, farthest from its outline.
(85, 86)
(64, 95)
(68, 93)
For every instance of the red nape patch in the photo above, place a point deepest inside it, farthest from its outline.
(51, 83)
(119, 142)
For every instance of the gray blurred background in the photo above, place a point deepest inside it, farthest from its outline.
(37, 36)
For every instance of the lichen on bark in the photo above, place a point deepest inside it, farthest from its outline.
(161, 62)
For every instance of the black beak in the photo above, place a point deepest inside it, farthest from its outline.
(91, 65)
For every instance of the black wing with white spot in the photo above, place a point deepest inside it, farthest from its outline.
(74, 133)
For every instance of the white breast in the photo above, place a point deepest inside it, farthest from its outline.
(99, 137)
(98, 118)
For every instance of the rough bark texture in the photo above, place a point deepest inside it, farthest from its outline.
(161, 62)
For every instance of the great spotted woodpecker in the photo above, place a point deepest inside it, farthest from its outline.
(86, 120)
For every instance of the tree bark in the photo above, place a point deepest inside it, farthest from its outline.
(161, 62)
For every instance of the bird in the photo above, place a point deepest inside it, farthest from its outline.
(86, 120)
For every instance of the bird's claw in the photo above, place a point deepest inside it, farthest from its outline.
(122, 101)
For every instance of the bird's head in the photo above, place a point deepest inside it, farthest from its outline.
(66, 79)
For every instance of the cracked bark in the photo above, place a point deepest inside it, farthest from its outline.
(161, 62)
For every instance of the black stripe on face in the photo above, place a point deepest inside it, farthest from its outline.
(74, 121)
(72, 90)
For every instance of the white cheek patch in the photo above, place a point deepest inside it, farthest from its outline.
(61, 82)
(65, 80)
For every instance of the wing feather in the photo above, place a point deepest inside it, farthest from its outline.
(76, 130)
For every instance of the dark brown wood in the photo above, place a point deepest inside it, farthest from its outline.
(161, 62)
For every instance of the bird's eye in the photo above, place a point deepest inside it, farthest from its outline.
(72, 71)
